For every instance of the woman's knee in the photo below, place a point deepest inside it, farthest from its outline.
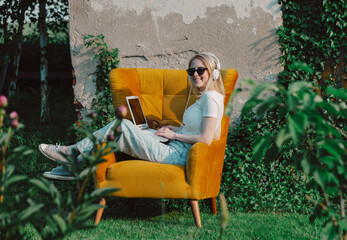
(126, 124)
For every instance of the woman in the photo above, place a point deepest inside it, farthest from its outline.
(201, 123)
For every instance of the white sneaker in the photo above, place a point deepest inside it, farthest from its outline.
(58, 173)
(53, 152)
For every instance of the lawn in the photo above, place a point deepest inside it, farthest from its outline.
(119, 224)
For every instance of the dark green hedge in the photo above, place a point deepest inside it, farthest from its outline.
(251, 185)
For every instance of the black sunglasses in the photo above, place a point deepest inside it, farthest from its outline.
(199, 70)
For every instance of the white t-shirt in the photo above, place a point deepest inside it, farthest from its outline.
(210, 104)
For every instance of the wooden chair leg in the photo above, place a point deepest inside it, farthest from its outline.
(213, 206)
(100, 211)
(196, 212)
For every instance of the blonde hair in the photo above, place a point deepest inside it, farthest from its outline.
(211, 62)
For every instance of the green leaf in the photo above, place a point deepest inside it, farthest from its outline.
(60, 223)
(329, 161)
(340, 92)
(271, 155)
(89, 210)
(294, 129)
(330, 108)
(85, 172)
(330, 232)
(331, 178)
(320, 178)
(336, 150)
(111, 147)
(248, 81)
(282, 137)
(40, 184)
(342, 170)
(268, 104)
(259, 89)
(249, 105)
(301, 66)
(343, 224)
(261, 146)
(229, 107)
(15, 178)
(300, 87)
(31, 210)
(100, 192)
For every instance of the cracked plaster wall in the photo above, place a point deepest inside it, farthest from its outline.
(167, 33)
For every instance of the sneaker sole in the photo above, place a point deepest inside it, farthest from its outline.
(49, 157)
(58, 177)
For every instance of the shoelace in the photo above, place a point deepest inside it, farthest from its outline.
(55, 148)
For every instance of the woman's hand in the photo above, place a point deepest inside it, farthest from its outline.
(166, 132)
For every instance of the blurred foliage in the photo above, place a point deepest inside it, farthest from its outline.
(314, 134)
(64, 212)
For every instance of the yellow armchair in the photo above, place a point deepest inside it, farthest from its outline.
(163, 94)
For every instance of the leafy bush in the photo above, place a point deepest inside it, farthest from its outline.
(314, 134)
(252, 185)
(63, 213)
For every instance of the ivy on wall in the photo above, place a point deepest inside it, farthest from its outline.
(314, 32)
(107, 60)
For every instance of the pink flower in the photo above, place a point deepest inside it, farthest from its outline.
(110, 137)
(3, 101)
(92, 115)
(122, 111)
(14, 123)
(14, 115)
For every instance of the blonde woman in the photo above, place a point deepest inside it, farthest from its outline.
(201, 123)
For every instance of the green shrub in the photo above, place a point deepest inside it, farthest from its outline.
(251, 185)
(314, 134)
(60, 214)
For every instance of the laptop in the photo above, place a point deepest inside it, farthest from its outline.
(139, 118)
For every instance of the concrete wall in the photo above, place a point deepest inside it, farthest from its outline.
(167, 33)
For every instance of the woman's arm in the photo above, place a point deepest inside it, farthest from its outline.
(206, 136)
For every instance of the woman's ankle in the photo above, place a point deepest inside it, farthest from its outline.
(72, 149)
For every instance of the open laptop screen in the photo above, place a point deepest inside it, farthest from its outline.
(136, 110)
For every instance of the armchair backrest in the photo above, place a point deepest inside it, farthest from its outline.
(163, 92)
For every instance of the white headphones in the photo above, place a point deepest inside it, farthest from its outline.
(216, 73)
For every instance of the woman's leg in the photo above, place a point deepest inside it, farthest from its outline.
(143, 145)
(57, 152)
(136, 143)
(86, 145)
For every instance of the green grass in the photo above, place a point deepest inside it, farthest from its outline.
(119, 224)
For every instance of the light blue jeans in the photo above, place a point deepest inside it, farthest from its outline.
(139, 144)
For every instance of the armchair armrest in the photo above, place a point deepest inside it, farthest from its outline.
(204, 168)
(100, 174)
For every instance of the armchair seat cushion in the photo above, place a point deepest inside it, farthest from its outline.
(142, 179)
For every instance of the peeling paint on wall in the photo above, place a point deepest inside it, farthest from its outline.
(190, 10)
(167, 33)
